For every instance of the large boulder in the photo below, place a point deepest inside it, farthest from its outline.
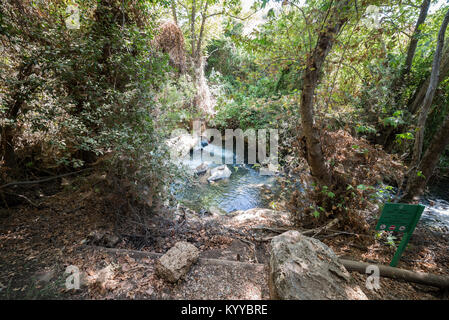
(173, 265)
(303, 268)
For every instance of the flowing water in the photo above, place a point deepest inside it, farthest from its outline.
(244, 189)
(436, 201)
(247, 189)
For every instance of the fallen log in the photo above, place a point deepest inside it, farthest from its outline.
(156, 255)
(399, 274)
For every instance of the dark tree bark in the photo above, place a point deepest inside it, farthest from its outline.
(20, 95)
(418, 97)
(390, 134)
(198, 55)
(192, 28)
(427, 103)
(417, 183)
(415, 37)
(312, 74)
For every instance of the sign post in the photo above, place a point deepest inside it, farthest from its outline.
(403, 218)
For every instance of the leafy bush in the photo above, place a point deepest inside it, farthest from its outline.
(89, 91)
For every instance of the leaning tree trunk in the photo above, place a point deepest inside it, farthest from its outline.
(418, 97)
(427, 103)
(415, 37)
(417, 182)
(312, 73)
(399, 82)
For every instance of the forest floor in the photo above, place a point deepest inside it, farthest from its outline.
(39, 241)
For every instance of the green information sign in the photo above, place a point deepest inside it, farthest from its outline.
(400, 217)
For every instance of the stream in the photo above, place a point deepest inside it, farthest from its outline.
(246, 189)
(436, 201)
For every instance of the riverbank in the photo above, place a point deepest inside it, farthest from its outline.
(38, 243)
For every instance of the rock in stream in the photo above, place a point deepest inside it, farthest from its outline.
(221, 172)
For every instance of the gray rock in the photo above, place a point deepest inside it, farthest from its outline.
(173, 265)
(221, 172)
(259, 217)
(202, 168)
(303, 268)
(204, 177)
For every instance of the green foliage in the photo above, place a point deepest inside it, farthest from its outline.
(175, 102)
(400, 137)
(395, 120)
(227, 59)
(246, 104)
(316, 211)
(391, 241)
(94, 89)
(325, 190)
(365, 129)
(103, 90)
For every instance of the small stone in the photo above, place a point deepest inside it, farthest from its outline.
(150, 291)
(216, 211)
(173, 265)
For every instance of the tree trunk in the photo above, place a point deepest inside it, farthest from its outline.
(192, 28)
(427, 103)
(417, 183)
(19, 96)
(314, 64)
(416, 101)
(415, 37)
(198, 55)
(7, 147)
(418, 97)
(399, 82)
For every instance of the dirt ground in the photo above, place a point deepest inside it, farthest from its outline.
(40, 238)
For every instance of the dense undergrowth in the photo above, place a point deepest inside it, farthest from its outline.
(109, 93)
